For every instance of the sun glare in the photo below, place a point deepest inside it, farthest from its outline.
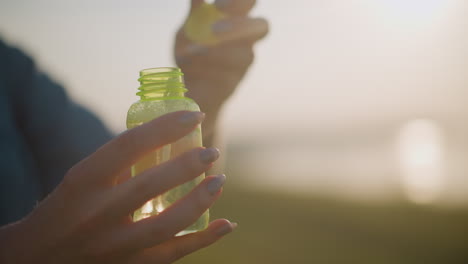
(147, 208)
(420, 150)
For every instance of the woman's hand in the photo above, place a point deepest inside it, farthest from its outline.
(213, 72)
(87, 218)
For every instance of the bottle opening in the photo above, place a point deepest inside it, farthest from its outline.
(161, 84)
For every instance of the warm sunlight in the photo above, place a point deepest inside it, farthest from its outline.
(420, 149)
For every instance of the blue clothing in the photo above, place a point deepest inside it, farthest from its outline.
(42, 134)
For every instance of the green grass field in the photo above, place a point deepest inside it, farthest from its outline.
(277, 228)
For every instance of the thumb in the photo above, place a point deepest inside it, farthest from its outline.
(195, 3)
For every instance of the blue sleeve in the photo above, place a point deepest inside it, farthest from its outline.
(58, 131)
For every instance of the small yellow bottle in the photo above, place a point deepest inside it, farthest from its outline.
(162, 91)
(198, 27)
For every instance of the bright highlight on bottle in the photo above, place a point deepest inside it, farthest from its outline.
(420, 151)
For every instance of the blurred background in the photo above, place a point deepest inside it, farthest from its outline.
(346, 143)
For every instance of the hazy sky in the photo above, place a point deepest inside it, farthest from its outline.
(324, 63)
(344, 73)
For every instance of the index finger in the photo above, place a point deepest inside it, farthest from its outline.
(235, 7)
(120, 153)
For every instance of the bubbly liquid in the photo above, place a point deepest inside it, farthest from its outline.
(160, 203)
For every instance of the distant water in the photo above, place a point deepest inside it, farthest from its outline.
(363, 166)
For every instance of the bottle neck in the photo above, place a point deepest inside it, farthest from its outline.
(161, 84)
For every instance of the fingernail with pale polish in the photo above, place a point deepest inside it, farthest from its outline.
(209, 155)
(191, 118)
(222, 27)
(226, 229)
(216, 183)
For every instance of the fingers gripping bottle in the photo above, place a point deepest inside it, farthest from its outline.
(162, 91)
